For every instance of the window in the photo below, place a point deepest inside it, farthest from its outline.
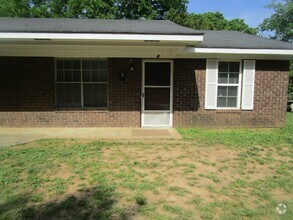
(81, 83)
(228, 84)
(225, 88)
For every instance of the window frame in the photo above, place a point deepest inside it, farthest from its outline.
(239, 86)
(81, 82)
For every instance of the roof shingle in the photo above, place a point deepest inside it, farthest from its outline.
(70, 25)
(238, 40)
(212, 39)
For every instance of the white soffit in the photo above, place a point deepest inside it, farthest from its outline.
(51, 50)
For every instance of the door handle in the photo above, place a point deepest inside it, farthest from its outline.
(142, 95)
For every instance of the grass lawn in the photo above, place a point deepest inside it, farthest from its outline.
(210, 174)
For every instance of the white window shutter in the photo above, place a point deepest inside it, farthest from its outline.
(248, 84)
(211, 84)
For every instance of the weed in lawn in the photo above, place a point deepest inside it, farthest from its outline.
(140, 199)
(196, 200)
(225, 191)
(222, 168)
(36, 198)
(211, 189)
(283, 169)
(156, 192)
(213, 177)
(179, 211)
(179, 191)
(148, 210)
(135, 163)
(59, 186)
(204, 162)
(173, 209)
(187, 171)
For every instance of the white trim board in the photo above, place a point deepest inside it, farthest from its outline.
(238, 51)
(106, 37)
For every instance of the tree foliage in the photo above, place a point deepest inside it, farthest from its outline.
(281, 22)
(119, 9)
(58, 8)
(149, 9)
(134, 9)
(14, 8)
(216, 21)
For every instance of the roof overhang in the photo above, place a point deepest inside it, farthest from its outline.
(237, 52)
(124, 45)
(182, 39)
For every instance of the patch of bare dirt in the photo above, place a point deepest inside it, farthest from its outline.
(179, 167)
(281, 196)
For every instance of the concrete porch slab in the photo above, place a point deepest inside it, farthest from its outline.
(14, 136)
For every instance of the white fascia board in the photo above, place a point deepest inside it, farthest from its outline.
(239, 51)
(106, 37)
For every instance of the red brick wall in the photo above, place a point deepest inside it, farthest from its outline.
(271, 81)
(27, 96)
(189, 76)
(27, 84)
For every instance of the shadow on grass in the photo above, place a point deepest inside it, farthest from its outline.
(95, 203)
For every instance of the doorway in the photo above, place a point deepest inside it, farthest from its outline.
(157, 93)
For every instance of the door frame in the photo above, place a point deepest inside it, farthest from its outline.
(142, 98)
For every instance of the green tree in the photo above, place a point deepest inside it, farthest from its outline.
(14, 8)
(58, 8)
(120, 9)
(134, 9)
(206, 21)
(281, 22)
(164, 8)
(177, 16)
(239, 25)
(216, 21)
(72, 8)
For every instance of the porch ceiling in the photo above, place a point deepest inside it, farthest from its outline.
(137, 50)
(51, 49)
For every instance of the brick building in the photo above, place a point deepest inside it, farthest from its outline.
(115, 73)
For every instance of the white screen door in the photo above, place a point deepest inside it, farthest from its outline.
(157, 94)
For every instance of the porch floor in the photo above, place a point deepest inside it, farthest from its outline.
(14, 136)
